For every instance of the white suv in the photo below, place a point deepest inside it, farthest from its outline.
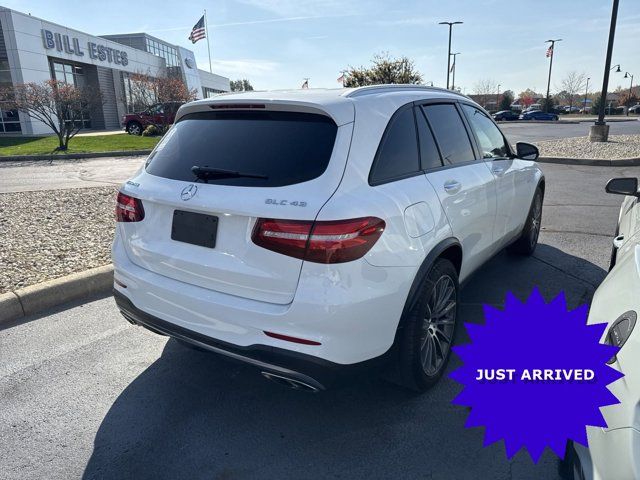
(313, 233)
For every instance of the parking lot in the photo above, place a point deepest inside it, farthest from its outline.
(83, 393)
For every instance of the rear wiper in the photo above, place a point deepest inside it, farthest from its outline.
(207, 173)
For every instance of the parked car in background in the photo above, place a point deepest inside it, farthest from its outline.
(571, 109)
(614, 452)
(538, 115)
(505, 115)
(158, 114)
(311, 270)
(635, 109)
(533, 108)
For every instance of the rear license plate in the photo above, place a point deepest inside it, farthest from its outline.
(194, 228)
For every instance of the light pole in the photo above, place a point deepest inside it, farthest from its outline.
(586, 92)
(627, 75)
(451, 24)
(600, 131)
(453, 67)
(551, 49)
(497, 97)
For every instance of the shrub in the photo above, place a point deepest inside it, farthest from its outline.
(151, 131)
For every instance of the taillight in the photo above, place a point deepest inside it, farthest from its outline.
(336, 241)
(128, 209)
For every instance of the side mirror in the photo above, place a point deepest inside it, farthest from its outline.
(623, 186)
(526, 151)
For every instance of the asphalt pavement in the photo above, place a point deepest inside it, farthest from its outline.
(84, 394)
(536, 132)
(22, 176)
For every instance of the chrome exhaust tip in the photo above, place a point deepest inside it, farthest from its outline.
(290, 382)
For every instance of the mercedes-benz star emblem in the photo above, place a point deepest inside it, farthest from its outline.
(188, 192)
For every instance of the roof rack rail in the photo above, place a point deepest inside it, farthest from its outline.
(372, 89)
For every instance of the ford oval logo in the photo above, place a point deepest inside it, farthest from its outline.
(188, 192)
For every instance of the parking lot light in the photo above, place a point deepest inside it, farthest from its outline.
(627, 75)
(451, 24)
(600, 131)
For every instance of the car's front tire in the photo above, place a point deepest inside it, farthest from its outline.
(134, 128)
(429, 329)
(527, 242)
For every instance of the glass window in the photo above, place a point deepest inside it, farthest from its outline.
(450, 132)
(398, 152)
(492, 143)
(429, 155)
(286, 147)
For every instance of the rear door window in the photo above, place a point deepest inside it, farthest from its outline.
(286, 147)
(429, 154)
(398, 152)
(450, 132)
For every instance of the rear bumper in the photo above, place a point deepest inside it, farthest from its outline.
(313, 372)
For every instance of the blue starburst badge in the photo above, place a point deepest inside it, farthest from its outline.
(535, 375)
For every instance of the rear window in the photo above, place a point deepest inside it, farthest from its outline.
(285, 147)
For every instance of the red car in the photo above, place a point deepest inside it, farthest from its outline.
(158, 114)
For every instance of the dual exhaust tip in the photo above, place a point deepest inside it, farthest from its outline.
(290, 382)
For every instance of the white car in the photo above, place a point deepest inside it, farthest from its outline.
(314, 233)
(614, 452)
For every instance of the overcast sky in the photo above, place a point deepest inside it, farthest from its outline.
(276, 43)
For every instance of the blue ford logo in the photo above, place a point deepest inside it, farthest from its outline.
(188, 192)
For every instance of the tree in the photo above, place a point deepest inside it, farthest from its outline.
(384, 70)
(147, 91)
(527, 98)
(241, 85)
(545, 107)
(486, 90)
(628, 100)
(506, 101)
(573, 84)
(60, 106)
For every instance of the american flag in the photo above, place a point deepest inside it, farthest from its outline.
(306, 83)
(198, 31)
(550, 51)
(340, 79)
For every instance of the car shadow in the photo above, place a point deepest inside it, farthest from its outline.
(195, 415)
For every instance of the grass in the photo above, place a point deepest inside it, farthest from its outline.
(99, 143)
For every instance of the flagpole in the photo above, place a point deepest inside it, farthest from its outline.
(206, 29)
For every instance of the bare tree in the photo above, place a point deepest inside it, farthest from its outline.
(146, 91)
(572, 85)
(60, 106)
(485, 89)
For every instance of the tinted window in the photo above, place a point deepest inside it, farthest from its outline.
(429, 155)
(287, 147)
(492, 144)
(398, 153)
(450, 133)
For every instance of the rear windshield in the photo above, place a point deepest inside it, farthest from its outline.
(285, 147)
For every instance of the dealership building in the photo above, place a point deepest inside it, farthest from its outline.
(34, 50)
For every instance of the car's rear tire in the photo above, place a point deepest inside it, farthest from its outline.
(134, 128)
(528, 241)
(428, 331)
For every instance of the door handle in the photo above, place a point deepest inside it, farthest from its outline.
(452, 187)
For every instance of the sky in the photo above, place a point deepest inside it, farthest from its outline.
(275, 44)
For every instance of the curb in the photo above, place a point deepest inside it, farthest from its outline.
(75, 156)
(36, 298)
(596, 162)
